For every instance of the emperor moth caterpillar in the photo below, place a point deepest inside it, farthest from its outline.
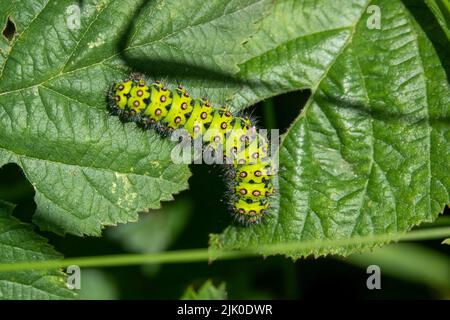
(153, 105)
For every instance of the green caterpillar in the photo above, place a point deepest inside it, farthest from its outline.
(153, 105)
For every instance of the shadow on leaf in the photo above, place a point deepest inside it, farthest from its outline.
(166, 68)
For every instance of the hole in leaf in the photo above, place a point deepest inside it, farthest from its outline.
(10, 30)
(280, 112)
(15, 188)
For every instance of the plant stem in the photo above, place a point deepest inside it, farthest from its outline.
(198, 255)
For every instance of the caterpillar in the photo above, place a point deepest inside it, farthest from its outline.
(231, 137)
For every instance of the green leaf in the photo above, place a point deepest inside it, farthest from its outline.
(410, 262)
(19, 243)
(155, 231)
(369, 153)
(87, 168)
(199, 46)
(441, 10)
(337, 164)
(206, 292)
(446, 241)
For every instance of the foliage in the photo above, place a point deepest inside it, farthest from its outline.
(367, 156)
(18, 243)
(206, 292)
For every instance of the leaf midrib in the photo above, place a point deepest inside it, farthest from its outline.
(83, 36)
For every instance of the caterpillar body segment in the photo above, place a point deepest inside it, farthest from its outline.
(153, 105)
